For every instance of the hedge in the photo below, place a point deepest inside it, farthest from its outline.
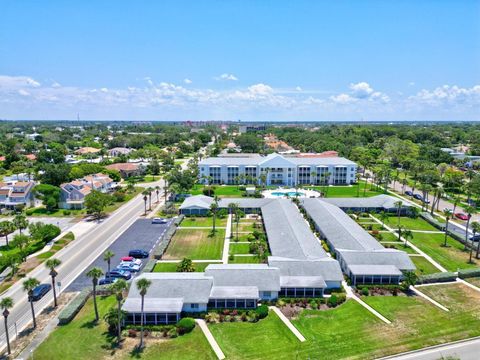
(437, 277)
(72, 309)
(185, 325)
(262, 311)
(468, 273)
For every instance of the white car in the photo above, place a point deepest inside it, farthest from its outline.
(159, 221)
(128, 266)
(132, 260)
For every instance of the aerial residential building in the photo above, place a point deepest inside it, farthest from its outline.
(73, 194)
(277, 169)
(17, 193)
(127, 169)
(117, 151)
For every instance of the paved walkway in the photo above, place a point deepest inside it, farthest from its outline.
(226, 243)
(211, 340)
(351, 295)
(433, 262)
(466, 283)
(287, 322)
(428, 298)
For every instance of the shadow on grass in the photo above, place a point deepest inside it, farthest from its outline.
(137, 352)
(90, 324)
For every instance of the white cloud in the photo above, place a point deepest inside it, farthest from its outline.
(449, 95)
(411, 83)
(298, 88)
(361, 91)
(226, 77)
(187, 81)
(23, 92)
(55, 85)
(343, 99)
(17, 82)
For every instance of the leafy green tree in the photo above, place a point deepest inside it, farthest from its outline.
(49, 194)
(186, 265)
(96, 202)
(95, 273)
(142, 286)
(43, 232)
(22, 241)
(52, 264)
(20, 222)
(55, 174)
(28, 286)
(6, 228)
(409, 279)
(5, 304)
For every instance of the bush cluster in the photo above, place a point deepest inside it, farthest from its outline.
(185, 325)
(437, 277)
(72, 309)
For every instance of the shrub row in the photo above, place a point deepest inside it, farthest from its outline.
(468, 273)
(437, 277)
(72, 309)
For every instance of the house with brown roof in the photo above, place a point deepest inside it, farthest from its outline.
(17, 193)
(87, 150)
(127, 169)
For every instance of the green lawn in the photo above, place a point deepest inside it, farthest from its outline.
(423, 266)
(172, 267)
(452, 257)
(239, 248)
(267, 339)
(83, 340)
(400, 246)
(247, 226)
(220, 190)
(409, 223)
(203, 222)
(195, 244)
(388, 236)
(244, 260)
(347, 191)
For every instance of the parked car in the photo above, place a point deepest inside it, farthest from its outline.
(447, 209)
(128, 266)
(159, 221)
(132, 260)
(420, 197)
(107, 281)
(409, 193)
(138, 254)
(475, 238)
(118, 273)
(461, 216)
(40, 291)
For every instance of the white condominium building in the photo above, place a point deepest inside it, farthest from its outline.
(276, 169)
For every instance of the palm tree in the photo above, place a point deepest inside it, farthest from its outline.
(383, 216)
(213, 210)
(398, 204)
(470, 210)
(448, 214)
(476, 230)
(186, 265)
(95, 273)
(52, 264)
(20, 222)
(357, 176)
(157, 191)
(28, 286)
(150, 190)
(367, 176)
(6, 303)
(107, 257)
(407, 235)
(142, 286)
(145, 198)
(118, 288)
(6, 228)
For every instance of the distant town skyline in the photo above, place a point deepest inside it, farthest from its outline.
(249, 60)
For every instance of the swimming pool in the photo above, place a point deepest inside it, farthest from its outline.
(287, 193)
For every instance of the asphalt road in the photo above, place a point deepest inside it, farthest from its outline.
(142, 234)
(76, 257)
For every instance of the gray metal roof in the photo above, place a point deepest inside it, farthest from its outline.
(302, 281)
(234, 292)
(370, 270)
(288, 233)
(262, 276)
(379, 201)
(191, 287)
(197, 201)
(339, 229)
(244, 203)
(327, 267)
(153, 305)
(397, 258)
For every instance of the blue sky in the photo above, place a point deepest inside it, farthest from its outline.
(254, 60)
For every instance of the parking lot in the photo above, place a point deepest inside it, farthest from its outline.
(142, 234)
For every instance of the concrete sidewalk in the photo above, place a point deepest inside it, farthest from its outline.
(211, 340)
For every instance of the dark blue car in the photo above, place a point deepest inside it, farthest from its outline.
(138, 254)
(409, 193)
(40, 291)
(119, 274)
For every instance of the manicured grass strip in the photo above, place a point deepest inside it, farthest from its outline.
(195, 244)
(244, 260)
(239, 248)
(203, 221)
(247, 226)
(423, 266)
(409, 223)
(220, 190)
(451, 258)
(388, 236)
(347, 191)
(172, 267)
(399, 246)
(267, 339)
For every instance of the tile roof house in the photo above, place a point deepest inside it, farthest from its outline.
(117, 151)
(73, 194)
(127, 169)
(87, 150)
(17, 193)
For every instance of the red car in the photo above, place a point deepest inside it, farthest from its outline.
(461, 216)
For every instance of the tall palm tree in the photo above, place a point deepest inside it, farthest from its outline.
(213, 210)
(407, 235)
(367, 176)
(95, 273)
(20, 221)
(470, 210)
(150, 191)
(6, 228)
(476, 230)
(157, 191)
(28, 286)
(142, 286)
(118, 288)
(107, 257)
(52, 264)
(448, 215)
(6, 303)
(398, 204)
(383, 216)
(145, 198)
